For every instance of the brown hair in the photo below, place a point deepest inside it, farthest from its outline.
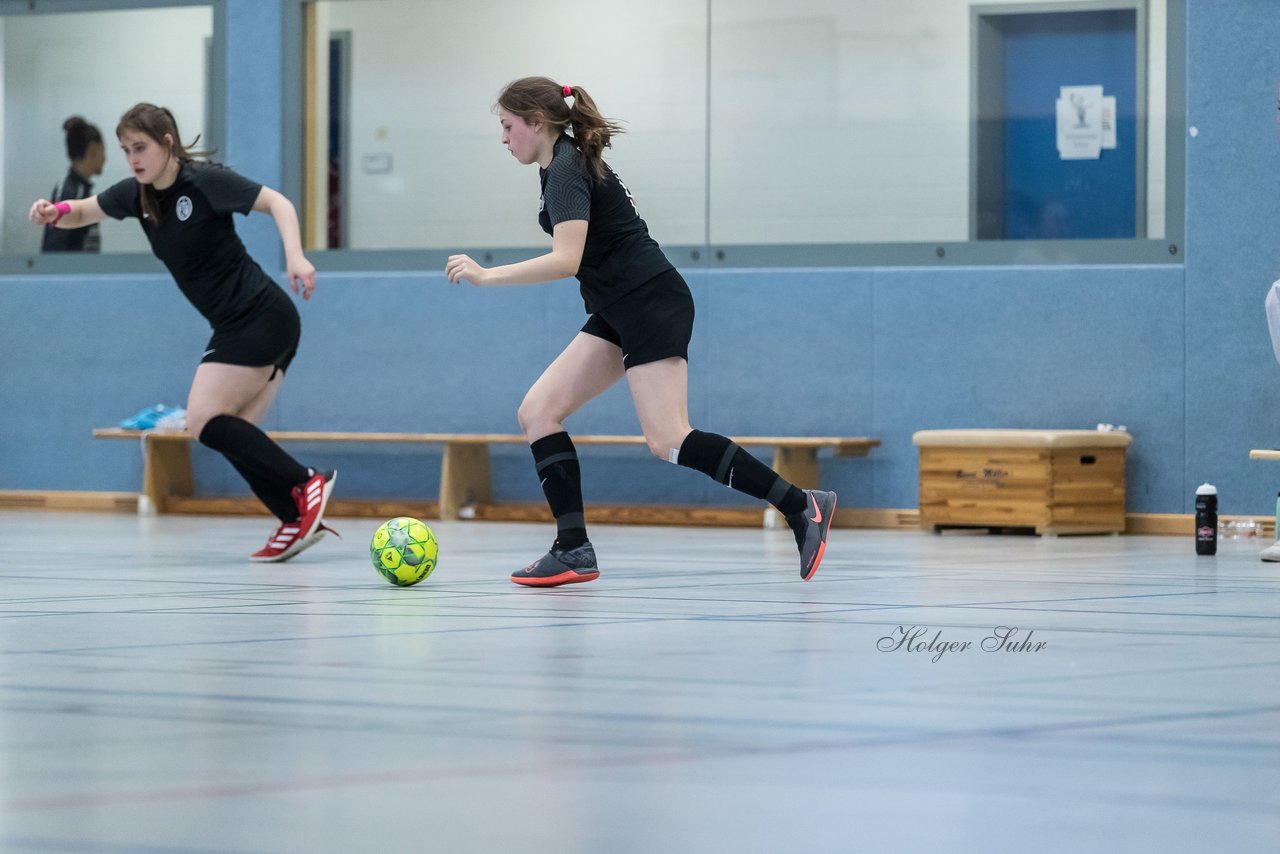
(155, 122)
(543, 99)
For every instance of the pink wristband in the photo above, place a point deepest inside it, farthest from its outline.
(63, 208)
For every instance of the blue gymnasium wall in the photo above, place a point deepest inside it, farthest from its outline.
(1178, 354)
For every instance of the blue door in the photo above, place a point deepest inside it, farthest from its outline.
(1046, 197)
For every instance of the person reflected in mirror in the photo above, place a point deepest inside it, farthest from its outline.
(87, 154)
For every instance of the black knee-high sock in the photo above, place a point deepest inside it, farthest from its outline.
(279, 501)
(724, 461)
(250, 450)
(556, 461)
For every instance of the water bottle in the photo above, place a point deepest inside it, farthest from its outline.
(1206, 519)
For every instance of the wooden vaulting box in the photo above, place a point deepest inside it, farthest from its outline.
(1056, 481)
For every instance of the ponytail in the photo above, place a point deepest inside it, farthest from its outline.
(543, 99)
(591, 130)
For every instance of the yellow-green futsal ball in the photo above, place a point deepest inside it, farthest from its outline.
(404, 551)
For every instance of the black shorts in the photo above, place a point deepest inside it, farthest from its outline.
(651, 323)
(268, 335)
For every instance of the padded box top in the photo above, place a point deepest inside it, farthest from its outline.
(1022, 438)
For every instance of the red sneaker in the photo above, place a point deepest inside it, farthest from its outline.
(311, 498)
(291, 538)
(286, 542)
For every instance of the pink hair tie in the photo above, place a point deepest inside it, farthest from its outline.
(63, 208)
(567, 91)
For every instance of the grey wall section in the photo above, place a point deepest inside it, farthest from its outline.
(1178, 354)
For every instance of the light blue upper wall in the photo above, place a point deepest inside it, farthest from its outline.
(1178, 354)
(1232, 248)
(1016, 347)
(255, 93)
(849, 352)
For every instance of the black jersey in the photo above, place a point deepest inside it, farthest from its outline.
(619, 254)
(84, 239)
(197, 240)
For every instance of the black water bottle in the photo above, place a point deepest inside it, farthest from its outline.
(1206, 519)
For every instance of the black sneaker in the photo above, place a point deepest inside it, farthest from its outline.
(560, 566)
(811, 528)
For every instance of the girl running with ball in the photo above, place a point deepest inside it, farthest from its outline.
(184, 207)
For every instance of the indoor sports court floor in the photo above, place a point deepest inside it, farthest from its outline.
(161, 693)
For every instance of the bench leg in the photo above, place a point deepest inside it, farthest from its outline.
(166, 472)
(464, 478)
(799, 466)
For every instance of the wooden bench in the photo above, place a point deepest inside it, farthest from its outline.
(1055, 481)
(465, 485)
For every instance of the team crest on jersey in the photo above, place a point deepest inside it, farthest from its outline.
(184, 208)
